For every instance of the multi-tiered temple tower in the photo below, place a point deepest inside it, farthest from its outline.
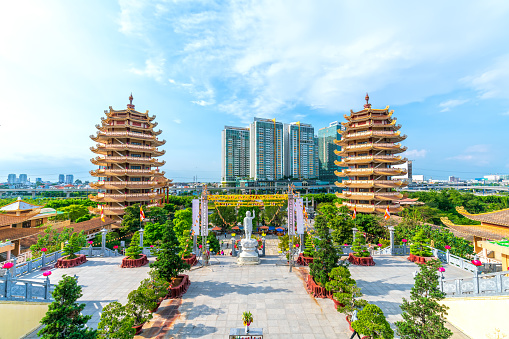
(369, 148)
(128, 168)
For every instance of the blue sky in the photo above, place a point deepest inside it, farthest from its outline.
(199, 65)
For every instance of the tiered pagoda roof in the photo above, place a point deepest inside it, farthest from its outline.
(369, 148)
(494, 225)
(128, 165)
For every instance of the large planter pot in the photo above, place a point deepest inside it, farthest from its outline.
(67, 263)
(157, 306)
(132, 263)
(318, 291)
(179, 287)
(361, 261)
(304, 261)
(191, 261)
(337, 303)
(418, 259)
(138, 328)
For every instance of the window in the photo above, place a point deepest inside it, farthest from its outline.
(38, 222)
(135, 167)
(26, 224)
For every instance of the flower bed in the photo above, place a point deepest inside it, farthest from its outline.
(361, 261)
(180, 286)
(419, 260)
(191, 261)
(132, 263)
(304, 261)
(318, 291)
(67, 263)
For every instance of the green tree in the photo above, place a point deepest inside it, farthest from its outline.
(74, 244)
(359, 246)
(274, 215)
(224, 217)
(63, 319)
(370, 224)
(342, 225)
(131, 219)
(420, 245)
(134, 250)
(371, 321)
(326, 257)
(309, 248)
(153, 233)
(157, 214)
(424, 316)
(345, 290)
(212, 242)
(75, 211)
(241, 214)
(84, 218)
(182, 224)
(116, 322)
(51, 240)
(169, 262)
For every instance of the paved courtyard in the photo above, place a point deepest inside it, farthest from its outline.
(103, 281)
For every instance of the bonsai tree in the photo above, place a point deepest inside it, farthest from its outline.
(134, 250)
(309, 250)
(359, 246)
(326, 257)
(76, 241)
(345, 290)
(157, 284)
(420, 245)
(169, 263)
(140, 302)
(63, 319)
(116, 322)
(371, 321)
(424, 316)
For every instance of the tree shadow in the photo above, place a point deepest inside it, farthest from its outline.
(381, 287)
(196, 312)
(182, 330)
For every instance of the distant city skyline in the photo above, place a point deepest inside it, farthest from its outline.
(200, 66)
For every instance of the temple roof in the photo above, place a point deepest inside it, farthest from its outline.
(9, 219)
(483, 231)
(500, 217)
(18, 205)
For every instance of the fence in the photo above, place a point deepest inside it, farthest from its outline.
(480, 285)
(25, 290)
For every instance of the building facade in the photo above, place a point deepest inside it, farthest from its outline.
(69, 179)
(300, 157)
(128, 164)
(11, 179)
(327, 151)
(370, 147)
(266, 149)
(234, 153)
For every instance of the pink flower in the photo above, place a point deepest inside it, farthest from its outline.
(44, 249)
(441, 269)
(47, 273)
(379, 245)
(296, 245)
(447, 247)
(90, 242)
(345, 244)
(404, 240)
(476, 262)
(200, 246)
(8, 265)
(115, 247)
(151, 245)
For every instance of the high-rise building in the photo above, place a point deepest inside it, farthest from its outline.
(234, 153)
(69, 179)
(370, 146)
(128, 167)
(300, 151)
(61, 178)
(23, 178)
(11, 179)
(327, 150)
(38, 180)
(266, 149)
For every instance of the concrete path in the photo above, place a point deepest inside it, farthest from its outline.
(102, 280)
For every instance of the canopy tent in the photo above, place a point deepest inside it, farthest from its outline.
(272, 228)
(264, 227)
(235, 228)
(280, 229)
(216, 228)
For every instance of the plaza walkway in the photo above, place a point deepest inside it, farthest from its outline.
(102, 280)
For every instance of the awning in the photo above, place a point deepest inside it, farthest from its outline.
(235, 228)
(272, 228)
(264, 227)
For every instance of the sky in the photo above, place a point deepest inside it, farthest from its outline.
(443, 66)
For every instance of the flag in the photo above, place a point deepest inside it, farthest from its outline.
(387, 214)
(102, 212)
(142, 215)
(354, 215)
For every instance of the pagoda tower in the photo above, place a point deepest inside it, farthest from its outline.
(369, 148)
(128, 167)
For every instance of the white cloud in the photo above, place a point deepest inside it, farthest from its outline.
(447, 105)
(463, 157)
(177, 121)
(411, 154)
(505, 114)
(478, 149)
(493, 82)
(202, 102)
(477, 154)
(154, 68)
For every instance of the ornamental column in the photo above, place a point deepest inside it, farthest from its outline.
(103, 242)
(391, 231)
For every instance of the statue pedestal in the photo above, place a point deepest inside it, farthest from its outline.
(249, 254)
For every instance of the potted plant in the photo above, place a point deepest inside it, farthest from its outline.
(371, 322)
(140, 302)
(134, 257)
(70, 259)
(345, 291)
(158, 285)
(116, 322)
(247, 319)
(420, 251)
(360, 255)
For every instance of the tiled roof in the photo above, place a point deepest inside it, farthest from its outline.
(500, 217)
(18, 205)
(483, 231)
(6, 219)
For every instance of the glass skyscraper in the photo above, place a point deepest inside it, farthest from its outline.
(326, 155)
(301, 151)
(266, 149)
(234, 153)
